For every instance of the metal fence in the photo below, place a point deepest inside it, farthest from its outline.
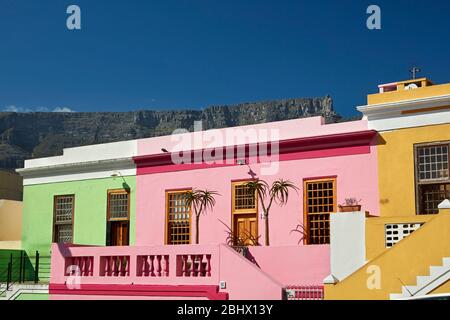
(16, 266)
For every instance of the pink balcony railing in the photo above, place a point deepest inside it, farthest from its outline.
(182, 265)
(305, 292)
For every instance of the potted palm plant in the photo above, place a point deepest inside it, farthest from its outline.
(240, 242)
(350, 205)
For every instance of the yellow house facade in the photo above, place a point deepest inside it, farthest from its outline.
(407, 248)
(10, 210)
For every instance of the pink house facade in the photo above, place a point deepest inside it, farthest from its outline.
(328, 163)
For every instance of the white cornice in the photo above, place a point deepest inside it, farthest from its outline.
(78, 167)
(385, 110)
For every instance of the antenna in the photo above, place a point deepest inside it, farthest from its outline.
(414, 71)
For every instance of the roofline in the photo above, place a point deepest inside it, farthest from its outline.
(76, 167)
(388, 107)
(285, 146)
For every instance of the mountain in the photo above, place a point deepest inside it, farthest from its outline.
(42, 134)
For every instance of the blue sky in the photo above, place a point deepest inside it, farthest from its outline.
(175, 54)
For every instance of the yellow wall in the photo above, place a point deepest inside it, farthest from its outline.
(444, 288)
(396, 167)
(402, 95)
(375, 231)
(399, 265)
(10, 222)
(10, 186)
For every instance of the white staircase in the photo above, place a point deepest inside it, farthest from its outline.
(17, 289)
(425, 284)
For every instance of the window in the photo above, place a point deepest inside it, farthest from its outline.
(244, 215)
(118, 205)
(433, 163)
(178, 213)
(319, 202)
(432, 176)
(432, 195)
(63, 210)
(118, 217)
(244, 198)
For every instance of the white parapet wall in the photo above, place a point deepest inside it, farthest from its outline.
(347, 244)
(82, 163)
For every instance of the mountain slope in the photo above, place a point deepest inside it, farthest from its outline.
(34, 135)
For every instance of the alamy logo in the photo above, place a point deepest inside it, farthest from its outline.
(374, 20)
(244, 146)
(73, 21)
(74, 279)
(374, 278)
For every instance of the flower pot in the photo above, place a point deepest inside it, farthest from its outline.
(355, 208)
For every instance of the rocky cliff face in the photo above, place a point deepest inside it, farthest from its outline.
(35, 135)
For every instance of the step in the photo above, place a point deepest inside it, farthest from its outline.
(395, 296)
(408, 291)
(446, 261)
(422, 280)
(436, 271)
(25, 288)
(425, 284)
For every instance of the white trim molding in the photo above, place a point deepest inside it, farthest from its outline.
(407, 114)
(82, 163)
(78, 171)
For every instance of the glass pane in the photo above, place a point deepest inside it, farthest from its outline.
(433, 163)
(319, 205)
(64, 233)
(432, 196)
(178, 223)
(244, 198)
(64, 209)
(118, 205)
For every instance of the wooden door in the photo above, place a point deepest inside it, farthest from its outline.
(244, 214)
(119, 233)
(246, 228)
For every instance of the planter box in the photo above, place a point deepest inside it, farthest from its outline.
(355, 208)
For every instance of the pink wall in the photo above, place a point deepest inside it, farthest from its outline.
(114, 297)
(249, 283)
(294, 265)
(352, 163)
(244, 280)
(356, 177)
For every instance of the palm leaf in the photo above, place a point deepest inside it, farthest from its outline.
(280, 191)
(259, 186)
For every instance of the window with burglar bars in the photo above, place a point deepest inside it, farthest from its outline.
(432, 176)
(63, 219)
(178, 227)
(319, 202)
(244, 198)
(118, 204)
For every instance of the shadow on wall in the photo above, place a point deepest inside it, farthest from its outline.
(378, 140)
(22, 266)
(11, 186)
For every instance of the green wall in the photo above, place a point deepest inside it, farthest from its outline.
(89, 216)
